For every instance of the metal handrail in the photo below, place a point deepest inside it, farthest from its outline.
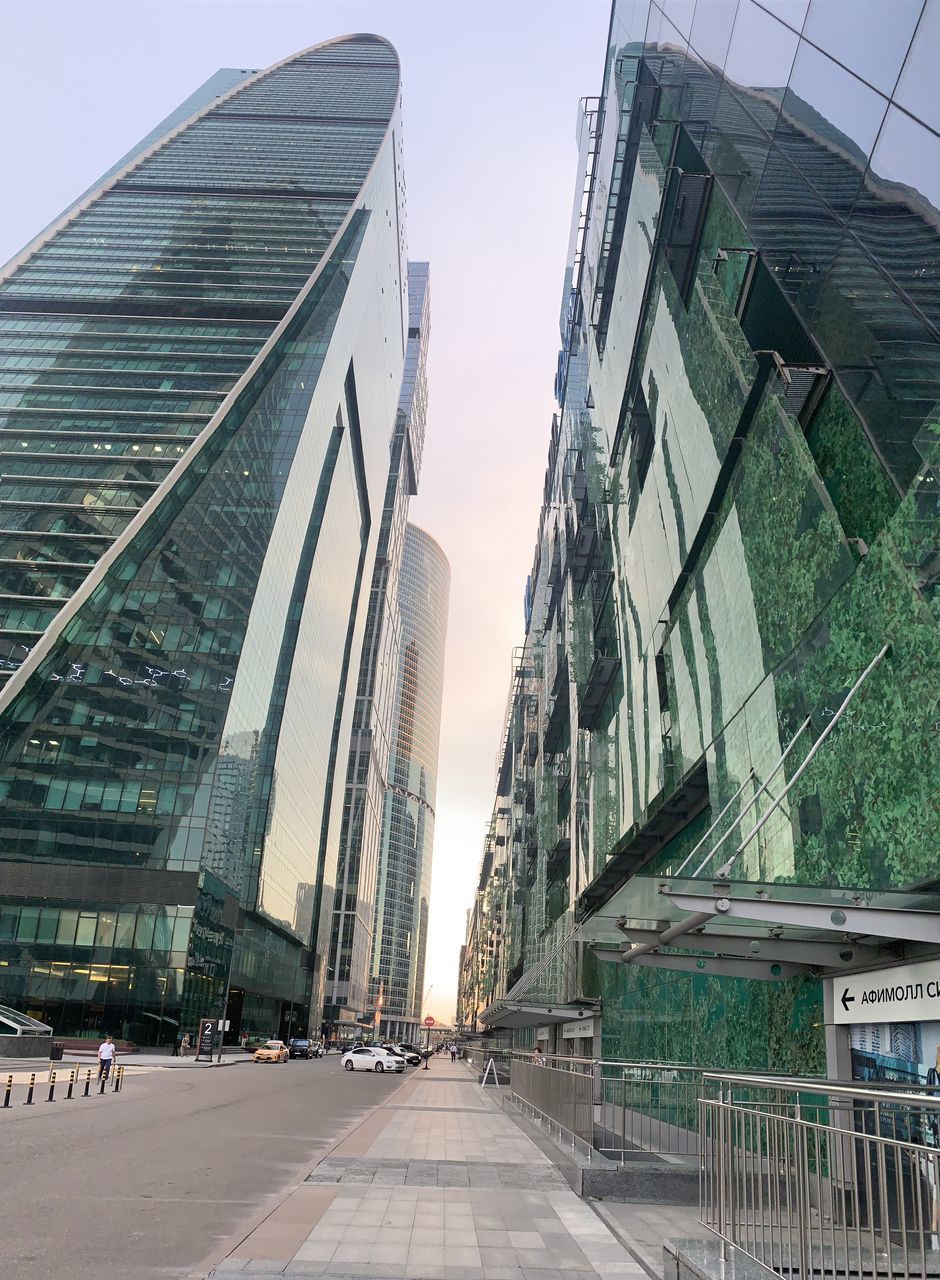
(848, 1185)
(870, 1090)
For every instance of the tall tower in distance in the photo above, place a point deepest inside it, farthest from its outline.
(346, 1002)
(404, 888)
(202, 365)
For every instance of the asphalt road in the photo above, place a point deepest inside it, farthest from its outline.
(142, 1185)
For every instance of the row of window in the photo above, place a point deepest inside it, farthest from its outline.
(129, 344)
(70, 361)
(119, 326)
(66, 447)
(115, 401)
(140, 928)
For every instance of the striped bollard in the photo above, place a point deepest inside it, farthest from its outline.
(87, 1082)
(9, 1090)
(68, 1094)
(51, 1097)
(29, 1092)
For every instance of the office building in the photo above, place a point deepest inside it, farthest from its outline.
(202, 364)
(404, 881)
(348, 1009)
(720, 769)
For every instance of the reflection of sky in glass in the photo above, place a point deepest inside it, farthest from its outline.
(761, 51)
(917, 87)
(840, 98)
(870, 37)
(910, 154)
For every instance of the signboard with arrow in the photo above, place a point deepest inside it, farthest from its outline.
(905, 993)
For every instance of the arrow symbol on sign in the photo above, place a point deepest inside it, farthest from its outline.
(847, 999)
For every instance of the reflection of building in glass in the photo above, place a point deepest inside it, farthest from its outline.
(347, 989)
(202, 361)
(404, 885)
(738, 545)
(229, 806)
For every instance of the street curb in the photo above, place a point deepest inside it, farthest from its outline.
(624, 1238)
(204, 1268)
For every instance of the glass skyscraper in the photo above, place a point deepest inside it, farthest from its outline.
(202, 361)
(347, 993)
(719, 777)
(404, 882)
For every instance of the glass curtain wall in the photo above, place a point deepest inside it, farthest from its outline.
(186, 499)
(347, 998)
(741, 503)
(404, 881)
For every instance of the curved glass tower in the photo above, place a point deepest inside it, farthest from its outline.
(404, 887)
(201, 365)
(346, 999)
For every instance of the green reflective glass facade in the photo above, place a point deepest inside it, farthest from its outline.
(741, 516)
(202, 362)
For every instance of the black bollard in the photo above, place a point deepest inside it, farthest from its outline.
(68, 1094)
(9, 1090)
(87, 1082)
(104, 1081)
(29, 1092)
(51, 1097)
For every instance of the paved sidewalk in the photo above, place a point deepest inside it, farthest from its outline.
(644, 1227)
(435, 1184)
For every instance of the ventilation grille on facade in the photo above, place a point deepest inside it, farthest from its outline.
(801, 388)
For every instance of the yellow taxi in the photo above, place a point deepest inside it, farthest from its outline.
(273, 1051)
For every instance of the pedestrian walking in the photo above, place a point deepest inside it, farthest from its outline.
(105, 1057)
(185, 1045)
(453, 1053)
(176, 1045)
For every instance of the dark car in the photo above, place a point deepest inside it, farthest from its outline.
(302, 1049)
(411, 1056)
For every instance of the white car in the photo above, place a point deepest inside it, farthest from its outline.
(372, 1058)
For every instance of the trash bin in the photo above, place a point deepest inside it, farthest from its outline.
(56, 1051)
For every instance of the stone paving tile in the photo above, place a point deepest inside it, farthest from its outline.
(435, 1173)
(446, 1188)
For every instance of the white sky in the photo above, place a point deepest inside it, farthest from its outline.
(490, 91)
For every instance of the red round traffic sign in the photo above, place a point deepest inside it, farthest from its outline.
(429, 1022)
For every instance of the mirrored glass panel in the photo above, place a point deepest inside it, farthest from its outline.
(917, 88)
(870, 37)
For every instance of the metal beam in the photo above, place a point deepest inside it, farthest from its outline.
(716, 966)
(892, 923)
(756, 946)
(664, 939)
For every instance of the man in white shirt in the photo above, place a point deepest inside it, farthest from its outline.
(105, 1057)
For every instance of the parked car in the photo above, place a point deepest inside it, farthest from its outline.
(298, 1048)
(411, 1056)
(372, 1058)
(421, 1050)
(272, 1051)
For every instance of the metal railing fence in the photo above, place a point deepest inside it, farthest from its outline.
(563, 1098)
(822, 1178)
(619, 1109)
